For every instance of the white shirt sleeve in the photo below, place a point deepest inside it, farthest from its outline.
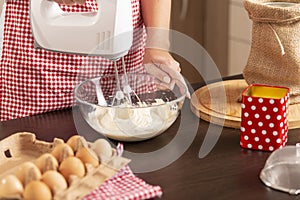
(2, 27)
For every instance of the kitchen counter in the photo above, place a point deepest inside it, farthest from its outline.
(226, 172)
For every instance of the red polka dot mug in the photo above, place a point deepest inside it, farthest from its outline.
(264, 124)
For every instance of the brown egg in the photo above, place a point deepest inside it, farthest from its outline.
(55, 181)
(10, 186)
(37, 190)
(62, 151)
(102, 148)
(72, 166)
(76, 142)
(46, 162)
(87, 156)
(27, 172)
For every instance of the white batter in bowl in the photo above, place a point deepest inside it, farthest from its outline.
(141, 121)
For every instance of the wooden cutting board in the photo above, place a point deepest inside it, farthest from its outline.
(219, 103)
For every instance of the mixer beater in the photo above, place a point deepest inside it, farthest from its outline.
(123, 97)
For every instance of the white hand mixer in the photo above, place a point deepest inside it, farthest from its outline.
(107, 33)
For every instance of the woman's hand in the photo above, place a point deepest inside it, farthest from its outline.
(70, 2)
(162, 65)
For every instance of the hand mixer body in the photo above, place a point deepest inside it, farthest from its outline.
(107, 33)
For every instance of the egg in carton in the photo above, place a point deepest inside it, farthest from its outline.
(31, 169)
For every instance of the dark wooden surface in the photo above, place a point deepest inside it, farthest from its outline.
(227, 172)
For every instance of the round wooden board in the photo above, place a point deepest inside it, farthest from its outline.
(219, 103)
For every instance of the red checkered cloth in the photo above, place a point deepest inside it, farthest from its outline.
(34, 81)
(125, 186)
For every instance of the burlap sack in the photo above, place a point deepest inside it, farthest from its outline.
(275, 50)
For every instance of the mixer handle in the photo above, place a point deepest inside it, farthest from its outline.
(48, 11)
(107, 32)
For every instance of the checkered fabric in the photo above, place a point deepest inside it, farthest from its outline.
(34, 81)
(125, 186)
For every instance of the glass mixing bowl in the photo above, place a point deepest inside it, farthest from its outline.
(153, 107)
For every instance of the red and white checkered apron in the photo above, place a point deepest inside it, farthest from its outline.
(35, 81)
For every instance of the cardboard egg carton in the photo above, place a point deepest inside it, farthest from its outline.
(23, 146)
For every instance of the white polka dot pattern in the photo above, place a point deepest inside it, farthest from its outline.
(264, 123)
(34, 80)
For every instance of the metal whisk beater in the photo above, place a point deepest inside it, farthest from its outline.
(123, 96)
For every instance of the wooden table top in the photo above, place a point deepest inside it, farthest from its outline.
(226, 172)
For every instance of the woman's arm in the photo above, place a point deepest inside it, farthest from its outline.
(157, 59)
(156, 15)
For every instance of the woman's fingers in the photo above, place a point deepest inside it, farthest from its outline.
(167, 62)
(165, 68)
(81, 2)
(167, 77)
(157, 72)
(70, 2)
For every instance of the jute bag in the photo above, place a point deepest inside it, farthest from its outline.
(275, 50)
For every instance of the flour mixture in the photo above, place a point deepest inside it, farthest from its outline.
(138, 121)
